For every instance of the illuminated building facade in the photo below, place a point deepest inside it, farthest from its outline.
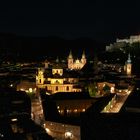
(56, 81)
(27, 86)
(76, 64)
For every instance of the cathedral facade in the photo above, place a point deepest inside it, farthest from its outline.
(76, 64)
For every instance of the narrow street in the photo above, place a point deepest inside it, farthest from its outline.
(119, 101)
(37, 111)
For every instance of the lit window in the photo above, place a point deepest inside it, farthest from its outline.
(47, 130)
(112, 89)
(11, 85)
(68, 135)
(83, 110)
(14, 119)
(30, 90)
(75, 110)
(22, 89)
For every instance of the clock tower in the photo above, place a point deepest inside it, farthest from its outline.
(128, 66)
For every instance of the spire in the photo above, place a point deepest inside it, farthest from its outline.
(57, 60)
(129, 59)
(70, 55)
(83, 55)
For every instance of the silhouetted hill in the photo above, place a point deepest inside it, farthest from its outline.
(30, 48)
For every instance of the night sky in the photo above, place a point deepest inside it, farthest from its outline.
(101, 20)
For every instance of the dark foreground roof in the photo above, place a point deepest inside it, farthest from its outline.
(21, 129)
(70, 95)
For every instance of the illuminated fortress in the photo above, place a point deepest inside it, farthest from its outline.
(120, 43)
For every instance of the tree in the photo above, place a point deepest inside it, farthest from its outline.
(92, 89)
(106, 89)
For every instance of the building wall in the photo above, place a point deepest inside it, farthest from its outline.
(77, 64)
(57, 71)
(54, 85)
(62, 131)
(54, 88)
(56, 81)
(27, 86)
(73, 107)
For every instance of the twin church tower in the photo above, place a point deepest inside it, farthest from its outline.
(78, 63)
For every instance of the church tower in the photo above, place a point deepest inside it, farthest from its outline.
(83, 59)
(70, 60)
(128, 66)
(40, 77)
(46, 64)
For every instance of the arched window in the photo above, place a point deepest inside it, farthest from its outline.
(57, 81)
(56, 88)
(67, 88)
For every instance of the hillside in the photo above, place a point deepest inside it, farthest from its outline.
(20, 47)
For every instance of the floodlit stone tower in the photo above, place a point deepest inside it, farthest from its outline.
(40, 77)
(128, 66)
(46, 64)
(83, 59)
(70, 60)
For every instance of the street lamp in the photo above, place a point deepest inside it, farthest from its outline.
(68, 135)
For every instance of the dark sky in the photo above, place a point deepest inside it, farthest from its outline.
(97, 19)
